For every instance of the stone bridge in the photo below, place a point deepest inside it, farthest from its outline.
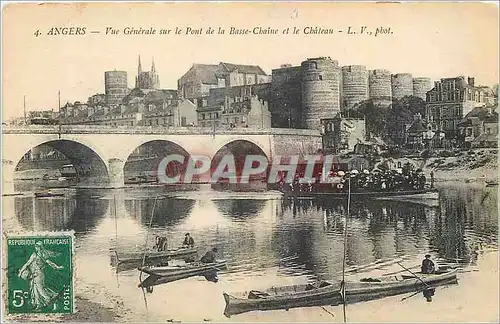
(102, 151)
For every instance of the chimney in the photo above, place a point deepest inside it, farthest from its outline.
(470, 81)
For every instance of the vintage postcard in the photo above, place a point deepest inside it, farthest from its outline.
(250, 162)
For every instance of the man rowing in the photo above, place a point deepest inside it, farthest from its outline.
(188, 241)
(209, 257)
(161, 243)
(428, 266)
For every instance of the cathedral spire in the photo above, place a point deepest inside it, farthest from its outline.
(153, 69)
(139, 67)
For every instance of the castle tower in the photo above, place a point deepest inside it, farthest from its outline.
(320, 91)
(115, 86)
(380, 86)
(402, 85)
(139, 67)
(354, 85)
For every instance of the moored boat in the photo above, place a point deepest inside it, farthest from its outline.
(153, 255)
(327, 293)
(429, 193)
(159, 275)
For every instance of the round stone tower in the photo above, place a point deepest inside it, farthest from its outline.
(402, 85)
(420, 87)
(380, 86)
(115, 86)
(320, 91)
(354, 85)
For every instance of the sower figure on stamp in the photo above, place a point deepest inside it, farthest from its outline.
(33, 270)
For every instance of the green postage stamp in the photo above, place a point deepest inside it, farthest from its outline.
(40, 275)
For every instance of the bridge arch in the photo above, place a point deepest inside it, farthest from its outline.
(142, 162)
(239, 148)
(88, 166)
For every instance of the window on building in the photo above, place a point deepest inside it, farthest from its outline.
(488, 130)
(183, 121)
(236, 120)
(469, 131)
(320, 77)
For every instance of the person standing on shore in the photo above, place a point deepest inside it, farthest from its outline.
(432, 179)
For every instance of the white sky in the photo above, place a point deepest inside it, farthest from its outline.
(435, 40)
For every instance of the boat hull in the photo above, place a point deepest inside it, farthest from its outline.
(169, 254)
(422, 194)
(160, 275)
(330, 295)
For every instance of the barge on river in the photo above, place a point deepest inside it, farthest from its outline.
(429, 193)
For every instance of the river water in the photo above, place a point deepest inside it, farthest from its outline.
(256, 232)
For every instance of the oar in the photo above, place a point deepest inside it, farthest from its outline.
(413, 274)
(396, 272)
(415, 293)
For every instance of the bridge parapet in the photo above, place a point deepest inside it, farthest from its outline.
(153, 130)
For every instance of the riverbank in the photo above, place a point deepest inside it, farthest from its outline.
(472, 165)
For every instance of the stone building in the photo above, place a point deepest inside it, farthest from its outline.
(402, 85)
(97, 99)
(450, 100)
(240, 106)
(200, 78)
(420, 87)
(479, 128)
(115, 86)
(380, 87)
(340, 135)
(354, 85)
(147, 79)
(320, 91)
(286, 97)
(181, 113)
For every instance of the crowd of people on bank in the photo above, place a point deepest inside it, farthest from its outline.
(375, 180)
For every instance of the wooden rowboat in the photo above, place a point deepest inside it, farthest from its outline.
(153, 255)
(160, 275)
(430, 193)
(326, 293)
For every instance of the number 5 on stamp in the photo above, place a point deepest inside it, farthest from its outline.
(40, 274)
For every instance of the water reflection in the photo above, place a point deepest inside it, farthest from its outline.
(240, 208)
(167, 211)
(253, 235)
(55, 214)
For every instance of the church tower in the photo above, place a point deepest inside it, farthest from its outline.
(147, 79)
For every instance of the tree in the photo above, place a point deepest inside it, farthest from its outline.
(401, 114)
(375, 116)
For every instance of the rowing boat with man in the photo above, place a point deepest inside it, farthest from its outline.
(327, 293)
(137, 256)
(159, 275)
